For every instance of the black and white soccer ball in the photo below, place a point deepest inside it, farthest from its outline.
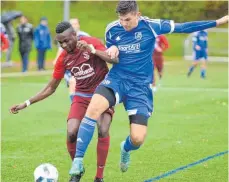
(46, 173)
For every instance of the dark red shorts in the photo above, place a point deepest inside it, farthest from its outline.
(79, 108)
(158, 62)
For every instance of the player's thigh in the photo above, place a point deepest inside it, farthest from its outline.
(76, 113)
(139, 100)
(105, 96)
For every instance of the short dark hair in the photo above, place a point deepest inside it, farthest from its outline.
(125, 7)
(62, 26)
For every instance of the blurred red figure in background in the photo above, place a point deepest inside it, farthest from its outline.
(161, 45)
(4, 42)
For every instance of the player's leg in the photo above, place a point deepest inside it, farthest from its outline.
(79, 104)
(76, 114)
(100, 102)
(138, 131)
(103, 143)
(139, 106)
(203, 65)
(154, 79)
(196, 57)
(160, 67)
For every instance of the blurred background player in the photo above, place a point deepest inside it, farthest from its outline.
(200, 51)
(25, 34)
(42, 38)
(161, 45)
(4, 40)
(70, 80)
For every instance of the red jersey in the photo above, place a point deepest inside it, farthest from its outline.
(161, 44)
(88, 69)
(4, 42)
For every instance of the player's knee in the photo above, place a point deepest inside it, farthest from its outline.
(137, 139)
(72, 137)
(93, 111)
(103, 131)
(72, 129)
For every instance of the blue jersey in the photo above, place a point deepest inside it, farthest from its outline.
(136, 47)
(201, 39)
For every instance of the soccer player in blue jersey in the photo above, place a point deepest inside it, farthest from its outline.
(200, 51)
(132, 39)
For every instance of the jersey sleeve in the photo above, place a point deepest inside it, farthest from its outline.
(98, 44)
(59, 69)
(160, 26)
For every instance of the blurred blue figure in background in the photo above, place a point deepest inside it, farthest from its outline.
(200, 51)
(42, 38)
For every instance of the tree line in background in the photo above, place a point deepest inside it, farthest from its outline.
(177, 10)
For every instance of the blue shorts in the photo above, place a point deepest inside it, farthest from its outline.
(200, 54)
(136, 97)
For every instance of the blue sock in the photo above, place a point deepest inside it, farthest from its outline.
(191, 70)
(71, 97)
(203, 73)
(128, 146)
(84, 136)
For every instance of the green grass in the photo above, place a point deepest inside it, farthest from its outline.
(189, 123)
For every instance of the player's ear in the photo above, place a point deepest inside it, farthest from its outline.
(139, 14)
(74, 33)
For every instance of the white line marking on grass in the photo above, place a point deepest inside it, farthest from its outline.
(31, 73)
(192, 89)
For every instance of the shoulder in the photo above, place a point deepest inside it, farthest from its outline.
(149, 20)
(112, 25)
(90, 40)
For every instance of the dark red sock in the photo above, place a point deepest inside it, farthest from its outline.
(102, 152)
(71, 149)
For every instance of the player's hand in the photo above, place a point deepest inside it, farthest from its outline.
(14, 109)
(198, 48)
(222, 20)
(113, 52)
(82, 45)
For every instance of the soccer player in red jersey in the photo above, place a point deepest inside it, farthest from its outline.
(161, 45)
(85, 58)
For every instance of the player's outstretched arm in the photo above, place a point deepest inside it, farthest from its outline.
(194, 26)
(222, 20)
(47, 91)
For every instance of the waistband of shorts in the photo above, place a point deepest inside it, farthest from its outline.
(81, 94)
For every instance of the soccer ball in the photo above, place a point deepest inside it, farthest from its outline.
(46, 173)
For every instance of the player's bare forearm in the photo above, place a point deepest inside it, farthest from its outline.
(47, 91)
(222, 20)
(104, 56)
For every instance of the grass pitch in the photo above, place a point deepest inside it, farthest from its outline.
(190, 122)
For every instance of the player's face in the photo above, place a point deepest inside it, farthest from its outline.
(75, 24)
(67, 40)
(129, 20)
